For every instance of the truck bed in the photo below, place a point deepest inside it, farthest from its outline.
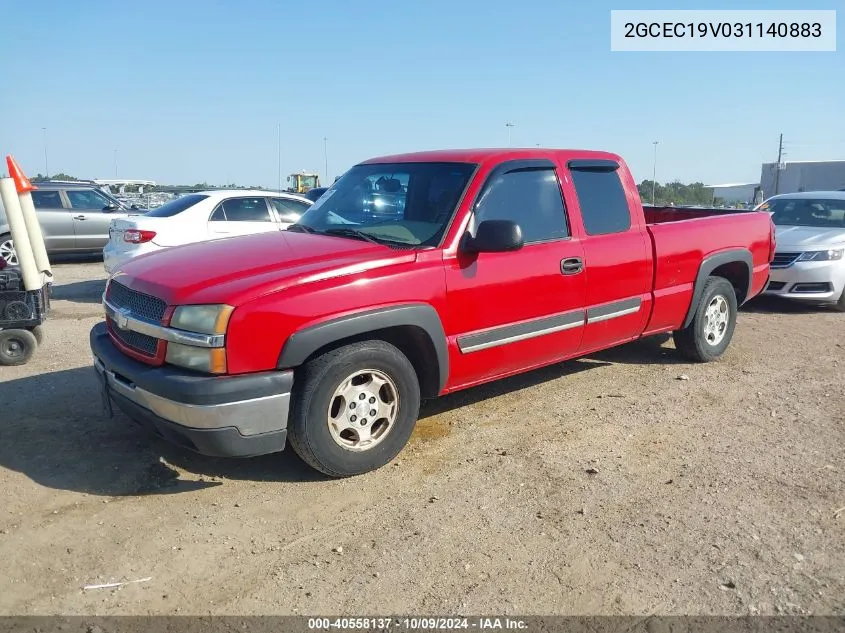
(661, 215)
(678, 252)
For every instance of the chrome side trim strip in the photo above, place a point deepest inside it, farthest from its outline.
(513, 333)
(614, 310)
(125, 321)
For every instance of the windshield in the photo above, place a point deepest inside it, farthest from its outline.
(175, 206)
(816, 212)
(404, 203)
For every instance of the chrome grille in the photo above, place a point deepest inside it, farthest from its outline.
(782, 260)
(141, 305)
(137, 341)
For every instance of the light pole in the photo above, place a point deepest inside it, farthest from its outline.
(326, 156)
(46, 168)
(509, 125)
(115, 163)
(654, 173)
(280, 158)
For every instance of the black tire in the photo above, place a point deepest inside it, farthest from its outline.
(692, 341)
(317, 380)
(38, 333)
(16, 347)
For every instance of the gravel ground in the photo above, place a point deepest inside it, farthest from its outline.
(628, 482)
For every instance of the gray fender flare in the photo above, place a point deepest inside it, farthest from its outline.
(711, 263)
(303, 343)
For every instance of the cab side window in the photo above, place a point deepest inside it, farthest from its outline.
(242, 210)
(46, 199)
(530, 197)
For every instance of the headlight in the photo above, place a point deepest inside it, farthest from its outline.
(821, 256)
(204, 319)
(208, 359)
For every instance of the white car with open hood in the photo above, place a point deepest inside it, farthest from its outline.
(809, 263)
(198, 217)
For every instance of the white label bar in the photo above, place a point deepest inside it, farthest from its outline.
(723, 30)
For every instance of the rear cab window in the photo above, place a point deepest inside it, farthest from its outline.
(176, 206)
(604, 206)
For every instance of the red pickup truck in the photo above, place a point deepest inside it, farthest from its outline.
(413, 276)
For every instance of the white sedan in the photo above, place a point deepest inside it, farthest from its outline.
(198, 217)
(809, 262)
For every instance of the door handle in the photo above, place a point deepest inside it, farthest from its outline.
(571, 265)
(79, 217)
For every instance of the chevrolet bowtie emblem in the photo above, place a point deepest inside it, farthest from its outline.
(121, 318)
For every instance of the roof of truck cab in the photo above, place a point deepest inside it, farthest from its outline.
(496, 154)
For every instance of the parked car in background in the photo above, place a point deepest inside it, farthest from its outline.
(197, 217)
(74, 218)
(328, 334)
(809, 263)
(314, 194)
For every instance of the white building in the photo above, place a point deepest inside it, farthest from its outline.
(796, 176)
(736, 193)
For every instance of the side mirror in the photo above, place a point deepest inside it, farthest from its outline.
(110, 207)
(494, 236)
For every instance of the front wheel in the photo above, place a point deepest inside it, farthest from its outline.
(710, 332)
(16, 347)
(354, 408)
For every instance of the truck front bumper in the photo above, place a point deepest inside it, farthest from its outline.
(220, 416)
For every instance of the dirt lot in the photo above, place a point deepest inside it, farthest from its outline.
(605, 485)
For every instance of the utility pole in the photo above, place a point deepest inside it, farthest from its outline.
(280, 158)
(46, 168)
(326, 157)
(654, 173)
(509, 125)
(780, 156)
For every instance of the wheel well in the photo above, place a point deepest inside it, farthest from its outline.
(737, 274)
(412, 341)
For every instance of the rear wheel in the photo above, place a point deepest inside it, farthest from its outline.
(16, 347)
(354, 409)
(38, 333)
(710, 332)
(7, 250)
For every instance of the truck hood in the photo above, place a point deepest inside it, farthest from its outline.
(238, 269)
(791, 238)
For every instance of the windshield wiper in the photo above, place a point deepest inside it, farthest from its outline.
(355, 233)
(302, 228)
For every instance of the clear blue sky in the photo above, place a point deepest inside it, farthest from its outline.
(191, 91)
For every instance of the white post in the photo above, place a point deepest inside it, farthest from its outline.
(36, 237)
(17, 226)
